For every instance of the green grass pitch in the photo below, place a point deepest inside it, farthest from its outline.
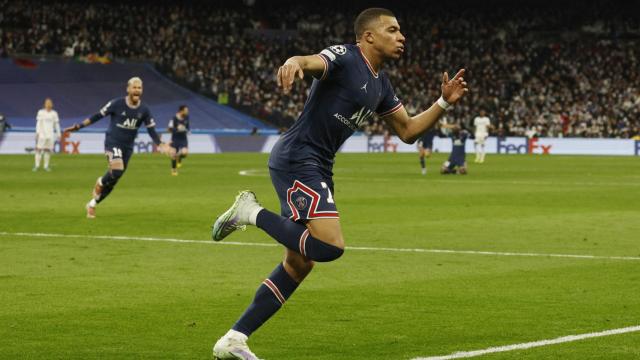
(96, 298)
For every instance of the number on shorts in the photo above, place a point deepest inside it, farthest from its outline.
(117, 152)
(330, 197)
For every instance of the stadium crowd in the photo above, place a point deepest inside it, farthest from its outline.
(556, 71)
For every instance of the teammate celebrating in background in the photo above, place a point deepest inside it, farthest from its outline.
(47, 132)
(482, 125)
(456, 162)
(179, 128)
(127, 115)
(348, 88)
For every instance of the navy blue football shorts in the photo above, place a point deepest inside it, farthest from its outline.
(304, 194)
(115, 151)
(426, 140)
(179, 145)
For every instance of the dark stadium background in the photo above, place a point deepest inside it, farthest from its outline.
(540, 68)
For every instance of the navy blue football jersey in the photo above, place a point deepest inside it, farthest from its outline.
(178, 133)
(347, 94)
(125, 121)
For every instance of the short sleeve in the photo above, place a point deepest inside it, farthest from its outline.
(107, 109)
(334, 58)
(390, 102)
(148, 119)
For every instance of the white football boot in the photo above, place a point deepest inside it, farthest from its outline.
(233, 346)
(240, 214)
(91, 211)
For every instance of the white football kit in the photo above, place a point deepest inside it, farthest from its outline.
(47, 129)
(482, 124)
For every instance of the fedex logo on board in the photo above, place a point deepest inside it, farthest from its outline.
(523, 146)
(385, 146)
(66, 146)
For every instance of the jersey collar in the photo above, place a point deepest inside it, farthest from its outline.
(375, 74)
(126, 101)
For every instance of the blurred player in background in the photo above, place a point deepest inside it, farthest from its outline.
(127, 115)
(4, 126)
(456, 162)
(349, 87)
(425, 147)
(482, 123)
(47, 132)
(179, 129)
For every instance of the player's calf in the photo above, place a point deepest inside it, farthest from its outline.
(111, 177)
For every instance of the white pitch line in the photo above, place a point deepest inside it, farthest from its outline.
(137, 238)
(356, 248)
(264, 173)
(529, 345)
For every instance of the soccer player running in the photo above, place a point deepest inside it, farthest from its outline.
(482, 125)
(348, 88)
(47, 132)
(179, 128)
(127, 115)
(425, 147)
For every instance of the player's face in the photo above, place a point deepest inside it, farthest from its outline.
(185, 111)
(390, 40)
(48, 104)
(134, 90)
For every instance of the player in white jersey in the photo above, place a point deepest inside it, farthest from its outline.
(47, 132)
(482, 125)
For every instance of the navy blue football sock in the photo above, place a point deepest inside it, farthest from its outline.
(109, 180)
(270, 297)
(106, 190)
(296, 237)
(173, 163)
(422, 162)
(111, 177)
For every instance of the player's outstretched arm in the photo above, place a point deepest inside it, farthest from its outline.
(297, 66)
(78, 126)
(410, 128)
(162, 147)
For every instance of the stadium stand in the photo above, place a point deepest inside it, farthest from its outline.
(80, 90)
(540, 68)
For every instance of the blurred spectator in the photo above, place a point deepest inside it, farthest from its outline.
(540, 69)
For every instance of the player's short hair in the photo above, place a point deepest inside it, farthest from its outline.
(368, 16)
(134, 79)
(182, 107)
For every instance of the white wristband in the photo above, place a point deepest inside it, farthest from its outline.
(444, 104)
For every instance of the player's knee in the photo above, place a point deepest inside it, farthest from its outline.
(323, 252)
(117, 174)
